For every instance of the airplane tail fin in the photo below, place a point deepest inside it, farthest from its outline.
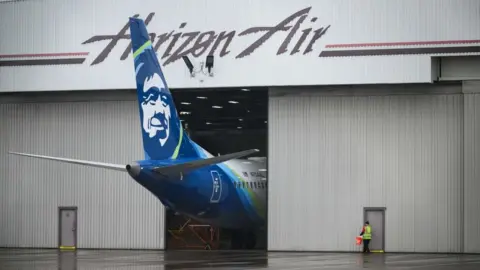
(162, 131)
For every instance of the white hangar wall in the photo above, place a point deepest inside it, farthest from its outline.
(327, 42)
(113, 210)
(399, 147)
(472, 168)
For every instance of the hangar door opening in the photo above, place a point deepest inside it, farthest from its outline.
(334, 151)
(223, 121)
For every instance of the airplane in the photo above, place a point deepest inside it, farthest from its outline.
(222, 191)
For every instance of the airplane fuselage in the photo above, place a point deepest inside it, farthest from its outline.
(231, 194)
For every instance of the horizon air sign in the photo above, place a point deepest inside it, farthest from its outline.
(298, 34)
(178, 43)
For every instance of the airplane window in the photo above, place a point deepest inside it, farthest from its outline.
(244, 184)
(255, 183)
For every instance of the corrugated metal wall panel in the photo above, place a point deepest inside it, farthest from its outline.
(4, 202)
(336, 155)
(472, 170)
(113, 210)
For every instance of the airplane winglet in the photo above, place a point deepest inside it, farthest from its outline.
(191, 165)
(117, 167)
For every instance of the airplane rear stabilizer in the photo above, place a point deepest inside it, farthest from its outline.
(181, 167)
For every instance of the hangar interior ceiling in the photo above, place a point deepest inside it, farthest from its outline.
(222, 109)
(224, 120)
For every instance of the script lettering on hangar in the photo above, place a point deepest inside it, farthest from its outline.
(176, 44)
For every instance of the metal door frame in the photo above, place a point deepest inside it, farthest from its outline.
(376, 209)
(67, 208)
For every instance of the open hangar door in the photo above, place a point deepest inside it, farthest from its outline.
(223, 121)
(338, 152)
(111, 209)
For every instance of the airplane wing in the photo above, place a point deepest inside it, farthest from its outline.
(116, 167)
(169, 169)
(191, 165)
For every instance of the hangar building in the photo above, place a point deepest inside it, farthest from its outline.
(373, 113)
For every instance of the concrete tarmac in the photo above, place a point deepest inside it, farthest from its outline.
(20, 259)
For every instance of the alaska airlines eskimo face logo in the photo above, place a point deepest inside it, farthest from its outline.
(156, 111)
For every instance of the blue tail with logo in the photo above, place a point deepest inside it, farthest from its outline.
(162, 132)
